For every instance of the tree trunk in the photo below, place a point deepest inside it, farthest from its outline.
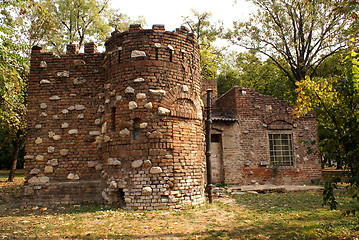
(14, 158)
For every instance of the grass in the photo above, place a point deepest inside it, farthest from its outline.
(298, 215)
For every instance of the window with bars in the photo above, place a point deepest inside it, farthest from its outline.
(281, 149)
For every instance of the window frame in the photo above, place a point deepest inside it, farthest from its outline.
(276, 156)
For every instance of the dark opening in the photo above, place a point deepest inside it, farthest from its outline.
(119, 56)
(121, 197)
(215, 137)
(113, 118)
(171, 55)
(136, 135)
(182, 56)
(156, 53)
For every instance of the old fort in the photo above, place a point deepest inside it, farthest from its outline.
(127, 125)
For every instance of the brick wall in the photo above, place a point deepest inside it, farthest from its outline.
(129, 120)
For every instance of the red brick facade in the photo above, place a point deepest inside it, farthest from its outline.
(124, 125)
(243, 121)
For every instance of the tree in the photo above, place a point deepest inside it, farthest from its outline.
(302, 33)
(207, 33)
(121, 22)
(336, 100)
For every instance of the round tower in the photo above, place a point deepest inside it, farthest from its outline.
(152, 131)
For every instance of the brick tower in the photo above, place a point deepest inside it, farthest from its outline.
(120, 126)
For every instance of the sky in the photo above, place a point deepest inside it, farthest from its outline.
(170, 12)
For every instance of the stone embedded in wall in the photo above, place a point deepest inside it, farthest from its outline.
(44, 81)
(64, 152)
(132, 105)
(39, 158)
(141, 96)
(137, 53)
(91, 164)
(95, 133)
(63, 74)
(64, 125)
(157, 92)
(53, 162)
(26, 157)
(104, 128)
(98, 167)
(73, 176)
(124, 132)
(81, 116)
(118, 98)
(147, 163)
(79, 107)
(106, 138)
(43, 105)
(170, 47)
(54, 98)
(113, 93)
(55, 117)
(29, 191)
(155, 170)
(64, 111)
(48, 169)
(38, 180)
(38, 126)
(269, 108)
(43, 64)
(56, 137)
(155, 135)
(71, 108)
(79, 63)
(138, 80)
(185, 88)
(98, 121)
(148, 105)
(143, 125)
(107, 86)
(101, 109)
(38, 140)
(163, 111)
(51, 134)
(43, 114)
(113, 161)
(130, 90)
(79, 80)
(146, 191)
(157, 45)
(73, 131)
(136, 163)
(107, 101)
(34, 171)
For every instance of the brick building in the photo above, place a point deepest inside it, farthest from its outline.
(255, 140)
(124, 125)
(127, 126)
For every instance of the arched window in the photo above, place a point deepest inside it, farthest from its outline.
(136, 134)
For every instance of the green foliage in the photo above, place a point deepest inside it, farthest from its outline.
(328, 195)
(207, 33)
(121, 22)
(302, 34)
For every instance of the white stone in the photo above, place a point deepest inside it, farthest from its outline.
(73, 176)
(28, 157)
(155, 170)
(170, 48)
(38, 140)
(56, 137)
(50, 149)
(63, 74)
(98, 167)
(43, 114)
(132, 105)
(81, 116)
(64, 125)
(51, 134)
(79, 107)
(33, 180)
(137, 80)
(146, 191)
(55, 117)
(106, 138)
(54, 98)
(43, 105)
(53, 162)
(163, 111)
(157, 92)
(119, 48)
(268, 108)
(64, 152)
(73, 131)
(130, 90)
(98, 121)
(39, 158)
(35, 171)
(48, 169)
(157, 45)
(104, 128)
(38, 126)
(91, 164)
(43, 64)
(137, 163)
(38, 180)
(107, 86)
(118, 98)
(143, 125)
(137, 53)
(71, 108)
(183, 51)
(65, 111)
(79, 80)
(95, 133)
(147, 163)
(101, 108)
(45, 81)
(113, 184)
(107, 101)
(185, 88)
(141, 96)
(148, 105)
(124, 132)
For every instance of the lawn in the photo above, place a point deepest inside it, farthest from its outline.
(297, 215)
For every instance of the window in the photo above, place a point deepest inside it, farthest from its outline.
(281, 150)
(136, 135)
